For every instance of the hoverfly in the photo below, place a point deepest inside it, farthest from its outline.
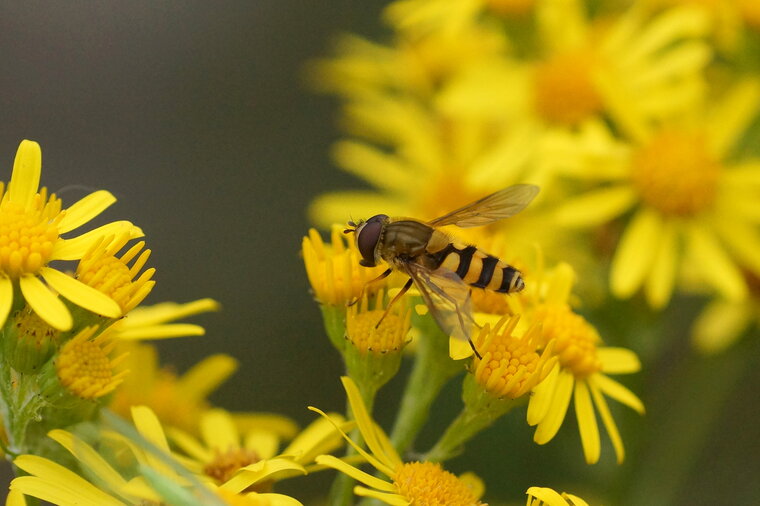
(443, 269)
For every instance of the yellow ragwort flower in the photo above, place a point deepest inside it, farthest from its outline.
(694, 209)
(582, 369)
(84, 365)
(31, 226)
(362, 328)
(419, 483)
(333, 269)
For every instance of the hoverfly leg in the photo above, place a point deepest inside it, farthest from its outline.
(475, 350)
(400, 294)
(382, 276)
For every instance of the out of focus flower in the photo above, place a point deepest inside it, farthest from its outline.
(540, 496)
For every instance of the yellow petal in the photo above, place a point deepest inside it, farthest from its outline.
(188, 444)
(541, 397)
(546, 496)
(46, 304)
(15, 498)
(720, 324)
(85, 209)
(25, 179)
(275, 499)
(218, 431)
(659, 283)
(743, 240)
(367, 426)
(634, 254)
(584, 412)
(319, 437)
(473, 482)
(205, 376)
(54, 483)
(715, 266)
(459, 349)
(609, 422)
(548, 427)
(574, 500)
(168, 311)
(76, 247)
(381, 170)
(264, 470)
(89, 458)
(6, 298)
(147, 424)
(383, 497)
(596, 207)
(733, 115)
(618, 360)
(357, 474)
(81, 294)
(264, 443)
(166, 331)
(618, 392)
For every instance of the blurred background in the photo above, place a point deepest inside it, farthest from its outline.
(197, 117)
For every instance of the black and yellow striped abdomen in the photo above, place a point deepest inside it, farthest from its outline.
(477, 268)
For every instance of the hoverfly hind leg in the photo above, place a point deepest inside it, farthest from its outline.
(382, 276)
(474, 349)
(400, 294)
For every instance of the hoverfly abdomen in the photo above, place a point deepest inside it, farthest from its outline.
(477, 268)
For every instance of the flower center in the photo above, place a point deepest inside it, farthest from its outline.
(675, 174)
(575, 338)
(226, 464)
(105, 272)
(388, 337)
(564, 91)
(428, 484)
(84, 367)
(510, 366)
(27, 236)
(750, 10)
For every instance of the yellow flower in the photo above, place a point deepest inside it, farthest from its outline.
(540, 496)
(31, 225)
(334, 272)
(178, 400)
(721, 323)
(694, 209)
(420, 483)
(236, 461)
(582, 369)
(153, 322)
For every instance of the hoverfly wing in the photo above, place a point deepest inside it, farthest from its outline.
(497, 206)
(447, 297)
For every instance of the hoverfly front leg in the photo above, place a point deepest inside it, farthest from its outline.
(400, 294)
(382, 276)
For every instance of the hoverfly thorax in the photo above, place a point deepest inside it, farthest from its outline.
(368, 236)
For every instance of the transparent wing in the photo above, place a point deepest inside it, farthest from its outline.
(447, 297)
(497, 206)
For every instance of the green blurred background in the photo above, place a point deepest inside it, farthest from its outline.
(197, 117)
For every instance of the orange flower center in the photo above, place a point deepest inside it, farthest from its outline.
(27, 236)
(675, 174)
(428, 484)
(510, 7)
(226, 464)
(564, 91)
(575, 338)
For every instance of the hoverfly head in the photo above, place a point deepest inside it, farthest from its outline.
(368, 235)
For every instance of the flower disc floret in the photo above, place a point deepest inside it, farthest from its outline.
(575, 339)
(84, 366)
(367, 336)
(564, 91)
(27, 236)
(675, 174)
(428, 484)
(226, 463)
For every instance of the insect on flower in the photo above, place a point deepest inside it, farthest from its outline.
(442, 268)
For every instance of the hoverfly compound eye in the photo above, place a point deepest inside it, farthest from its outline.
(367, 236)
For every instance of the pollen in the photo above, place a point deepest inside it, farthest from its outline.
(511, 365)
(101, 269)
(27, 236)
(367, 336)
(428, 484)
(333, 269)
(84, 366)
(226, 463)
(564, 91)
(675, 174)
(575, 339)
